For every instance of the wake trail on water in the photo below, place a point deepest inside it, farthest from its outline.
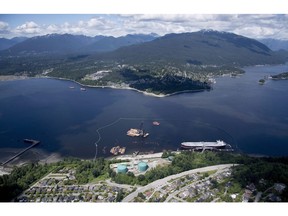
(153, 119)
(108, 125)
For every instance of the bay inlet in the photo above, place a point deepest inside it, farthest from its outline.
(252, 118)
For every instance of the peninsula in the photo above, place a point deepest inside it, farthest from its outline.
(281, 76)
(161, 66)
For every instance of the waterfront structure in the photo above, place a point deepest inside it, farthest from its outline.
(142, 166)
(203, 145)
(122, 168)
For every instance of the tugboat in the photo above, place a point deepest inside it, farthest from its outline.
(156, 123)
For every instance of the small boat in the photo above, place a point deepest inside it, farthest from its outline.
(71, 87)
(156, 123)
(82, 89)
(146, 135)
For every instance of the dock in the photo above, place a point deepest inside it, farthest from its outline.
(202, 149)
(33, 143)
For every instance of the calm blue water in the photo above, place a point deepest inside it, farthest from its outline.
(251, 117)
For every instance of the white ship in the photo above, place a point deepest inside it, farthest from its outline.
(193, 145)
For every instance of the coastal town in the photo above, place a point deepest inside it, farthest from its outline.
(207, 184)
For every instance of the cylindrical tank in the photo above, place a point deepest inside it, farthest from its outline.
(142, 166)
(122, 168)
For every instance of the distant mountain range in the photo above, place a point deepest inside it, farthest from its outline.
(202, 47)
(107, 44)
(206, 47)
(163, 65)
(7, 43)
(275, 44)
(67, 43)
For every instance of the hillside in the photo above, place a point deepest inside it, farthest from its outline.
(7, 43)
(107, 44)
(69, 44)
(199, 48)
(53, 43)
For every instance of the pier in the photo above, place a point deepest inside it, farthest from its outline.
(205, 148)
(33, 143)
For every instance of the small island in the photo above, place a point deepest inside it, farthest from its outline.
(281, 76)
(261, 81)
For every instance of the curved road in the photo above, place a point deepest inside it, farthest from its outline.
(162, 182)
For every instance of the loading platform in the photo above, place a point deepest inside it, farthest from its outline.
(33, 143)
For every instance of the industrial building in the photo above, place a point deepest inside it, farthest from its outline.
(142, 166)
(122, 168)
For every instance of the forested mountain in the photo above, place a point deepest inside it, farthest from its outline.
(7, 43)
(206, 47)
(67, 44)
(112, 43)
(52, 43)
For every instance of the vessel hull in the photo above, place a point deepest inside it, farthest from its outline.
(196, 145)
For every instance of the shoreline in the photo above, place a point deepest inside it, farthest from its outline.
(122, 88)
(12, 77)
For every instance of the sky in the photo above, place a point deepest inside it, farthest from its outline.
(250, 18)
(249, 25)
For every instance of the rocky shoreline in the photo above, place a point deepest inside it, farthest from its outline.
(12, 77)
(123, 88)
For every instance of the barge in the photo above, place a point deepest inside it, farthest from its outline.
(219, 144)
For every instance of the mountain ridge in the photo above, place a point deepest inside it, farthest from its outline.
(203, 47)
(275, 44)
(7, 43)
(68, 43)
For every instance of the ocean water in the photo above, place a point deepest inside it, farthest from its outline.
(252, 118)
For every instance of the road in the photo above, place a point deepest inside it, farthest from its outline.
(128, 187)
(162, 182)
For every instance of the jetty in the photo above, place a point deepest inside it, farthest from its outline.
(206, 148)
(33, 143)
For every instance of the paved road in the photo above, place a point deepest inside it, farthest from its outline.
(162, 182)
(128, 187)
